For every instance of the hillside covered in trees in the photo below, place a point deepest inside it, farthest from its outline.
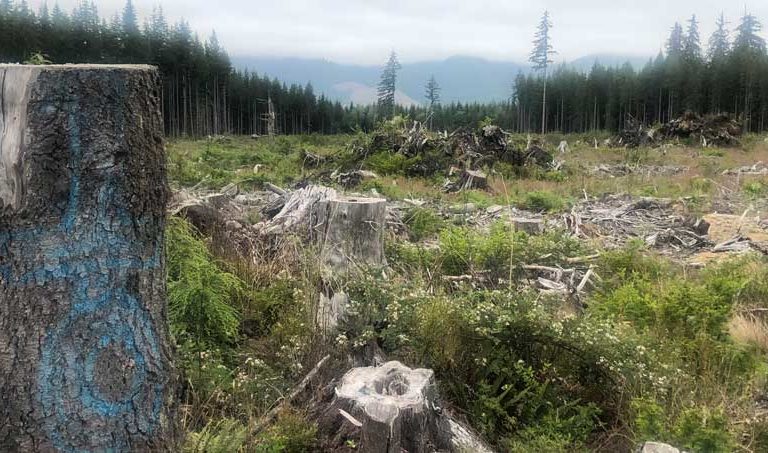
(203, 94)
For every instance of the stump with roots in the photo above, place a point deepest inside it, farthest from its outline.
(393, 408)
(85, 359)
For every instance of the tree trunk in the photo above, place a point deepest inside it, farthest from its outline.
(544, 105)
(351, 232)
(85, 360)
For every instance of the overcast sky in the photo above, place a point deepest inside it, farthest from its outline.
(364, 31)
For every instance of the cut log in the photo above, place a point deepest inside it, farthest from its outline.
(85, 358)
(350, 232)
(393, 408)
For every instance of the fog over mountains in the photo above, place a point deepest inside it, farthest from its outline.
(462, 79)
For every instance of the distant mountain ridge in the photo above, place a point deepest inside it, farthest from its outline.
(461, 78)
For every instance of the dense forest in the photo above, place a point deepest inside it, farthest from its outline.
(203, 94)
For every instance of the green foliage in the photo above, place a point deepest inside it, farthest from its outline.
(389, 163)
(466, 250)
(37, 58)
(200, 292)
(755, 189)
(693, 429)
(543, 201)
(291, 433)
(511, 364)
(225, 435)
(422, 223)
(679, 309)
(269, 305)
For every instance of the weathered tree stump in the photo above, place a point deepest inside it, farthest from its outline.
(350, 235)
(85, 362)
(350, 232)
(393, 408)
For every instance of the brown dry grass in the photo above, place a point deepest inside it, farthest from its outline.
(749, 329)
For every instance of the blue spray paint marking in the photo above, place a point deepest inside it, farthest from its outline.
(103, 315)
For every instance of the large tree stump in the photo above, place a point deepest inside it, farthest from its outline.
(393, 408)
(85, 362)
(350, 235)
(350, 232)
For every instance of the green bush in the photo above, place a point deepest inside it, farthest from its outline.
(388, 163)
(697, 429)
(291, 433)
(220, 436)
(466, 250)
(422, 223)
(200, 292)
(514, 366)
(543, 201)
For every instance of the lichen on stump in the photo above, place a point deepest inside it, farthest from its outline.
(85, 362)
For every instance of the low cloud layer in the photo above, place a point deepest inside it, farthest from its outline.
(364, 31)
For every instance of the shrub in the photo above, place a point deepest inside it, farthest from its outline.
(388, 163)
(516, 367)
(696, 429)
(422, 223)
(221, 436)
(543, 201)
(199, 290)
(291, 433)
(499, 251)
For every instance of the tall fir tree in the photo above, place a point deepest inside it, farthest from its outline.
(749, 54)
(432, 95)
(719, 42)
(719, 69)
(540, 60)
(692, 62)
(388, 86)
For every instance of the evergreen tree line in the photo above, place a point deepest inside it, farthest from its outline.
(204, 95)
(728, 76)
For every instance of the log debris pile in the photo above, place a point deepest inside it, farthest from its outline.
(758, 169)
(710, 130)
(615, 219)
(618, 170)
(463, 148)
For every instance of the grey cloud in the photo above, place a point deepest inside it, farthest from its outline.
(364, 31)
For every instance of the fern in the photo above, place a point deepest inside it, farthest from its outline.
(199, 289)
(223, 436)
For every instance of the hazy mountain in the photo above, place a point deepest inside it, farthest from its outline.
(586, 62)
(462, 79)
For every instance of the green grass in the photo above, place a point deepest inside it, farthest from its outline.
(648, 353)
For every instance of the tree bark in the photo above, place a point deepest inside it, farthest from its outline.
(351, 232)
(85, 360)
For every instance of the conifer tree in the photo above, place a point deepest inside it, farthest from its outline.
(540, 59)
(692, 64)
(718, 51)
(388, 86)
(432, 95)
(719, 44)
